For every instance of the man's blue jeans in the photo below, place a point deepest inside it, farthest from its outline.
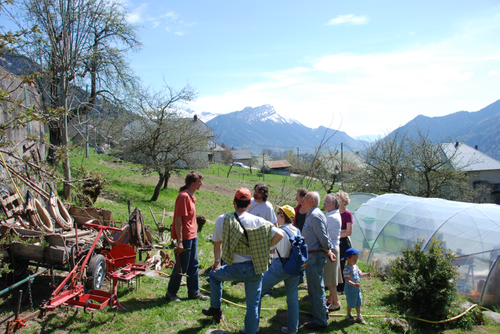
(253, 288)
(316, 287)
(273, 276)
(189, 265)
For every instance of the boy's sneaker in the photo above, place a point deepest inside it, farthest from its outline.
(287, 331)
(360, 319)
(349, 318)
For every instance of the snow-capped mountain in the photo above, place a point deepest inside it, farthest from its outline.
(262, 127)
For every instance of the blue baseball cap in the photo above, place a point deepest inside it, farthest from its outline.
(349, 252)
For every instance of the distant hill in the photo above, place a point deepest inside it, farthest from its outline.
(480, 128)
(263, 128)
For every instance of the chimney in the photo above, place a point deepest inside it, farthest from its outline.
(456, 144)
(195, 118)
(475, 146)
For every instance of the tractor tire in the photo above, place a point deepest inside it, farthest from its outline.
(96, 272)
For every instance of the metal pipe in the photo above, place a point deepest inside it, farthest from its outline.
(22, 282)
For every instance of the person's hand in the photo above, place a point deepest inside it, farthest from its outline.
(368, 274)
(216, 265)
(272, 251)
(179, 249)
(330, 256)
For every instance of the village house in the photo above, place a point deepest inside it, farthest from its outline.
(480, 168)
(280, 167)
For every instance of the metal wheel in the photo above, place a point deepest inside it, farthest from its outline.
(96, 272)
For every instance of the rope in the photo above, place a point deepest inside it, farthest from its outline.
(338, 315)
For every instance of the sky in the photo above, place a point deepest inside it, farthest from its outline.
(364, 67)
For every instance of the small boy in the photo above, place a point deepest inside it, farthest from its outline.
(352, 290)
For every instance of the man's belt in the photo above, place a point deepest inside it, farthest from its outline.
(315, 251)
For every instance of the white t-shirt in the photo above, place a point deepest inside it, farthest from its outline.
(283, 246)
(333, 225)
(263, 209)
(248, 221)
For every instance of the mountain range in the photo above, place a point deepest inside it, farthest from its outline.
(263, 128)
(480, 128)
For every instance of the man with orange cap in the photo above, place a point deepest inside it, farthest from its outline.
(242, 241)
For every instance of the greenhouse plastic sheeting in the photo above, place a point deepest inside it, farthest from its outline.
(385, 224)
(358, 199)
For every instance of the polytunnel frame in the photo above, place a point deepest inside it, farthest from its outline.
(494, 267)
(404, 207)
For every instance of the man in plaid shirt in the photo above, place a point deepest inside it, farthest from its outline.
(242, 240)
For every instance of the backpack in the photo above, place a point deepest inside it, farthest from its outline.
(297, 261)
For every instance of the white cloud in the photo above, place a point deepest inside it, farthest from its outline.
(137, 15)
(349, 18)
(171, 16)
(169, 20)
(373, 93)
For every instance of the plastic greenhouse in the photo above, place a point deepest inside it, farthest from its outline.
(386, 223)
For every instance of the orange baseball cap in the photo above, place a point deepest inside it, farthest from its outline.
(243, 194)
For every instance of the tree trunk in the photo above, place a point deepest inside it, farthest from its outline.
(66, 164)
(156, 194)
(55, 141)
(167, 177)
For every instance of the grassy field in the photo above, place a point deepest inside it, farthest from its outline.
(148, 311)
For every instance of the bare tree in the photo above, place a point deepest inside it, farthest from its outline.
(387, 165)
(161, 139)
(313, 169)
(414, 166)
(82, 42)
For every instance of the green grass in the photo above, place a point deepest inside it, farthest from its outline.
(147, 310)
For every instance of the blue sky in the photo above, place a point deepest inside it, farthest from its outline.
(365, 67)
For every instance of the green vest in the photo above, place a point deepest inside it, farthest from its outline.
(257, 245)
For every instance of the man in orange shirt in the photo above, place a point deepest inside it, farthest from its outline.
(184, 230)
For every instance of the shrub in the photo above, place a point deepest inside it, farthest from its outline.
(425, 279)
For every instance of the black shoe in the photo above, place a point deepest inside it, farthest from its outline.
(172, 297)
(313, 325)
(216, 313)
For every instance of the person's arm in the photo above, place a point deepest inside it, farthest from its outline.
(364, 274)
(178, 230)
(351, 283)
(320, 230)
(217, 255)
(277, 237)
(347, 232)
